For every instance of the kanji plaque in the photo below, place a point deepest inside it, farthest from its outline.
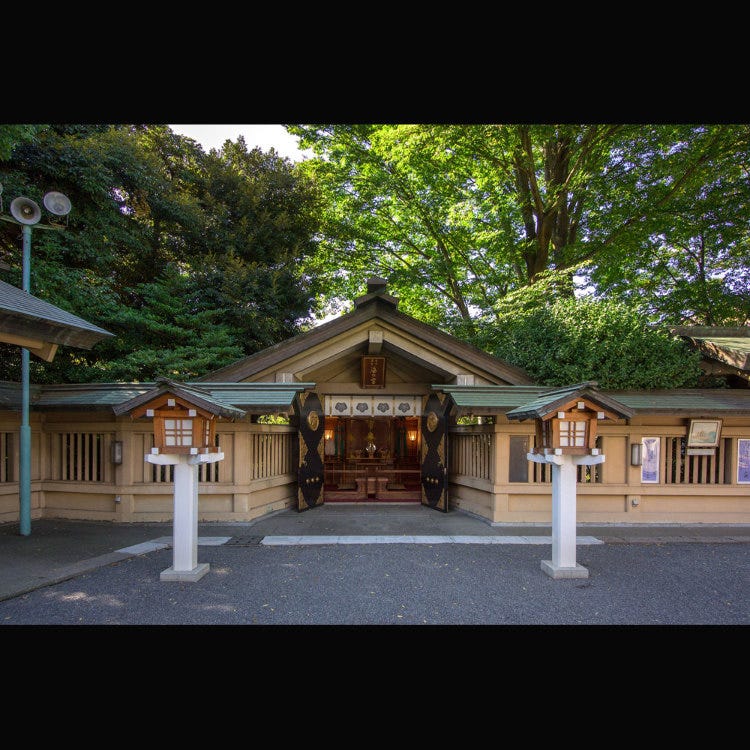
(373, 372)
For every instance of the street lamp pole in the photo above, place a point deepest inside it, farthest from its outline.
(25, 452)
(26, 213)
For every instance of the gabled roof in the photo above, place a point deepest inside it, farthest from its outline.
(374, 305)
(23, 316)
(197, 396)
(549, 402)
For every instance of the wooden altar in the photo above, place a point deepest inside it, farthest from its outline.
(380, 479)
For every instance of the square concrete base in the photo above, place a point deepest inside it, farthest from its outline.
(170, 574)
(557, 572)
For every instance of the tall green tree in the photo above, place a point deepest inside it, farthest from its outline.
(190, 259)
(693, 265)
(458, 216)
(12, 135)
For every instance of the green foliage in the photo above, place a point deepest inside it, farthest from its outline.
(273, 419)
(459, 216)
(192, 260)
(693, 265)
(573, 340)
(12, 135)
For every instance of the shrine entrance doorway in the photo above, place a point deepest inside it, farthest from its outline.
(372, 459)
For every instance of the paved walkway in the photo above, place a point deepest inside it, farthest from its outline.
(60, 551)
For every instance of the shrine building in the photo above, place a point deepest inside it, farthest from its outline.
(378, 407)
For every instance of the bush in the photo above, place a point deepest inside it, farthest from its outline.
(573, 340)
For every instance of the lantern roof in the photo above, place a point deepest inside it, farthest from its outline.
(549, 402)
(198, 397)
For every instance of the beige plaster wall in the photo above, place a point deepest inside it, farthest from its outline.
(620, 497)
(128, 495)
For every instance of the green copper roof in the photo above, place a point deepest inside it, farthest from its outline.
(250, 397)
(199, 397)
(551, 400)
(500, 399)
(725, 344)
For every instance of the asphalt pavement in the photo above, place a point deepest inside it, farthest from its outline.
(373, 565)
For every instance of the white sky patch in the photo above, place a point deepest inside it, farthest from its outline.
(263, 136)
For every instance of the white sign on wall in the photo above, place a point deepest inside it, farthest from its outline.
(650, 460)
(743, 461)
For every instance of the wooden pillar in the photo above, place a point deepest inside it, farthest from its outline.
(124, 473)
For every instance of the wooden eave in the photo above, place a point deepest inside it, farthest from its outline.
(160, 404)
(572, 407)
(548, 404)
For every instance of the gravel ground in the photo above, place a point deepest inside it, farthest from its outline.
(404, 584)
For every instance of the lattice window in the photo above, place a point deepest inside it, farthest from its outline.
(79, 457)
(178, 432)
(680, 468)
(572, 433)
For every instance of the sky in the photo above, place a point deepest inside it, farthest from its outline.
(264, 136)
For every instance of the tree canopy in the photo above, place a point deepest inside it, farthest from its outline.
(566, 340)
(191, 259)
(459, 216)
(491, 232)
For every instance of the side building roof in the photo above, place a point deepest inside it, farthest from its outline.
(730, 345)
(24, 316)
(252, 398)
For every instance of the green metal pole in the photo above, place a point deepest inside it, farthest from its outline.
(25, 456)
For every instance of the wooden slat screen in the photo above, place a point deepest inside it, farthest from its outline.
(80, 456)
(270, 454)
(680, 468)
(471, 455)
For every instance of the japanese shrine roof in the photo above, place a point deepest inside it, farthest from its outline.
(22, 314)
(374, 306)
(199, 397)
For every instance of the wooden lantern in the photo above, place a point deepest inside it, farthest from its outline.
(570, 430)
(567, 418)
(179, 426)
